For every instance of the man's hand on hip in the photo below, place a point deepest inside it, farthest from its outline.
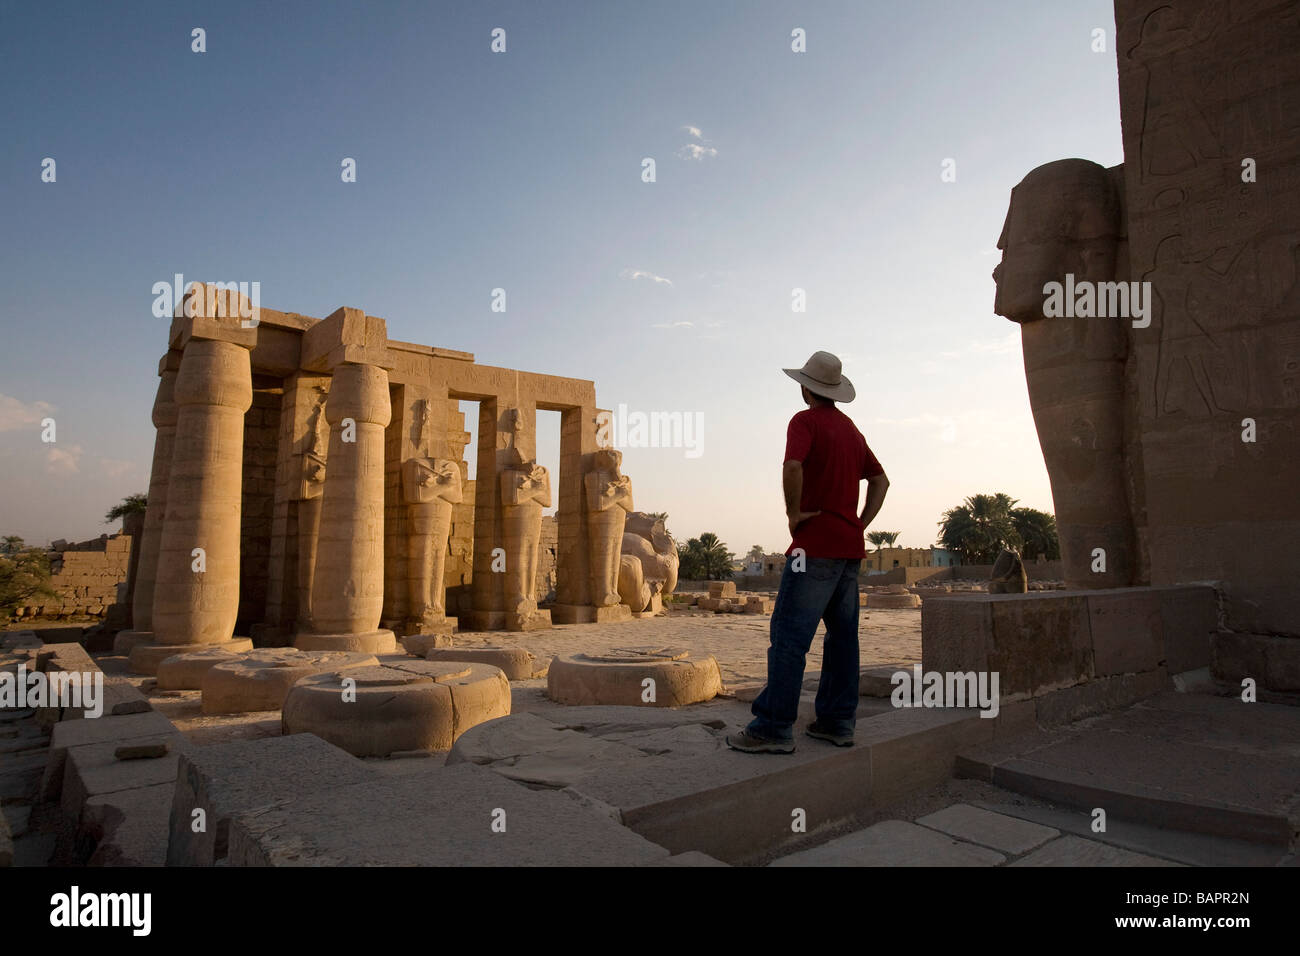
(797, 518)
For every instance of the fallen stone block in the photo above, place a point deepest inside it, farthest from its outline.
(79, 733)
(94, 770)
(128, 827)
(720, 589)
(450, 816)
(225, 779)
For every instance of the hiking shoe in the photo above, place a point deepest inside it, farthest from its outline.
(815, 729)
(751, 744)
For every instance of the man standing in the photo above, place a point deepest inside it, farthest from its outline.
(825, 459)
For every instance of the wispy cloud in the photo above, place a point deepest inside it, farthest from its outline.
(15, 414)
(673, 325)
(693, 131)
(696, 151)
(63, 460)
(642, 274)
(114, 468)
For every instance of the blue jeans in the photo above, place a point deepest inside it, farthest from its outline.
(826, 590)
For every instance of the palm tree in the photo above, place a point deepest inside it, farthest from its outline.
(980, 528)
(131, 504)
(756, 553)
(717, 559)
(1038, 535)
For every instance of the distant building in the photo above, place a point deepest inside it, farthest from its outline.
(767, 564)
(886, 559)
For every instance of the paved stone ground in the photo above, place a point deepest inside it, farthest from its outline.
(738, 642)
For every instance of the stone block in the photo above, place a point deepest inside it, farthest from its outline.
(128, 827)
(1074, 851)
(439, 818)
(719, 589)
(1126, 629)
(104, 730)
(94, 769)
(997, 831)
(894, 843)
(956, 634)
(1041, 642)
(1189, 618)
(225, 779)
(1095, 697)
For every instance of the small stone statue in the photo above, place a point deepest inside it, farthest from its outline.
(1008, 574)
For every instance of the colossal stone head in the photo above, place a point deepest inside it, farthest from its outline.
(1064, 217)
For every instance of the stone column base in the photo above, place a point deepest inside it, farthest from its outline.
(123, 641)
(432, 624)
(145, 658)
(372, 642)
(538, 620)
(506, 620)
(586, 614)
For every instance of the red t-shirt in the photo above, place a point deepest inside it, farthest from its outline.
(835, 459)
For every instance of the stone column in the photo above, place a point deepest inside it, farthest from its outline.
(196, 594)
(347, 594)
(164, 420)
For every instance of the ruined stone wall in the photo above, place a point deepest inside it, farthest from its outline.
(257, 503)
(1205, 88)
(85, 578)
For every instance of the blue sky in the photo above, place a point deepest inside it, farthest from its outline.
(817, 170)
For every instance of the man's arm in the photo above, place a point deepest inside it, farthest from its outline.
(792, 483)
(876, 488)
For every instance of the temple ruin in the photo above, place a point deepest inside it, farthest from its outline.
(310, 488)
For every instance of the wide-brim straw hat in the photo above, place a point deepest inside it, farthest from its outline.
(823, 376)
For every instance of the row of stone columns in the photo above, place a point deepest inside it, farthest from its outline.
(187, 587)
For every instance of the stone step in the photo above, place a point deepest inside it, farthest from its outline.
(1191, 763)
(1192, 849)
